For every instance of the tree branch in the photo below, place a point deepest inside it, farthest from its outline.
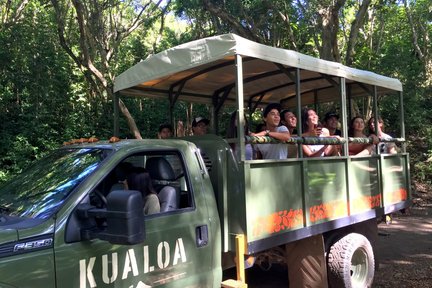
(355, 28)
(227, 17)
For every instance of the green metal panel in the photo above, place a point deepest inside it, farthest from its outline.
(326, 196)
(363, 185)
(167, 258)
(273, 198)
(34, 269)
(394, 178)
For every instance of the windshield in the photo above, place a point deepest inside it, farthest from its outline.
(41, 189)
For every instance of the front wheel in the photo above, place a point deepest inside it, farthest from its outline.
(351, 263)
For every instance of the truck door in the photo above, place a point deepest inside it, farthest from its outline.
(177, 250)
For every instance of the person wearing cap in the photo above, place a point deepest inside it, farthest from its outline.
(200, 126)
(331, 122)
(272, 118)
(165, 131)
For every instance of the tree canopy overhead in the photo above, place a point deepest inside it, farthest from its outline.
(60, 57)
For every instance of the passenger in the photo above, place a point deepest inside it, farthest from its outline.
(289, 119)
(165, 131)
(312, 128)
(200, 126)
(141, 181)
(232, 133)
(331, 122)
(180, 131)
(383, 147)
(271, 116)
(356, 129)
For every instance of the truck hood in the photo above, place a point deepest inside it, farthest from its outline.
(8, 235)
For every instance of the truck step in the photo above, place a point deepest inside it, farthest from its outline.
(231, 283)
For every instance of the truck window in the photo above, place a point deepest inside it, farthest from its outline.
(157, 175)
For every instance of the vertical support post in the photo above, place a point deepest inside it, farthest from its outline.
(240, 251)
(240, 282)
(299, 111)
(116, 130)
(375, 113)
(304, 161)
(345, 152)
(343, 102)
(240, 106)
(402, 120)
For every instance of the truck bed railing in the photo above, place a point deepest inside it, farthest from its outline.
(319, 140)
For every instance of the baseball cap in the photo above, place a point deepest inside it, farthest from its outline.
(328, 115)
(196, 120)
(270, 107)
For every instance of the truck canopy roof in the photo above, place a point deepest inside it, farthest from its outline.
(199, 70)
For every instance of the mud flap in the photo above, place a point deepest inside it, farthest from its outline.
(306, 263)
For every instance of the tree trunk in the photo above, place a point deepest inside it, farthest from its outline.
(329, 21)
(355, 28)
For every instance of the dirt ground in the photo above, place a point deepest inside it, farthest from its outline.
(405, 247)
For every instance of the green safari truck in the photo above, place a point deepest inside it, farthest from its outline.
(79, 217)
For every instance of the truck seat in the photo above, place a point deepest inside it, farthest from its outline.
(163, 175)
(141, 181)
(121, 173)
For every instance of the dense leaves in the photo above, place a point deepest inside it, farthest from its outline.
(56, 72)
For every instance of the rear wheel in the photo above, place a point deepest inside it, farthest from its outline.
(351, 263)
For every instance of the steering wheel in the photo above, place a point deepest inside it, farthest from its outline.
(101, 197)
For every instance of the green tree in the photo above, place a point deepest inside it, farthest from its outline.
(34, 85)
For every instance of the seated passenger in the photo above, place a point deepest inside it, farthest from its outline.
(271, 116)
(141, 181)
(165, 131)
(289, 119)
(200, 126)
(356, 129)
(383, 147)
(312, 128)
(331, 122)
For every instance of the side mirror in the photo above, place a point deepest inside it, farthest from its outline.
(124, 219)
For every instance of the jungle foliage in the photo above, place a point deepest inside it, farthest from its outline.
(59, 59)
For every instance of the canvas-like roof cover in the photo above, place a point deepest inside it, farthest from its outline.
(196, 70)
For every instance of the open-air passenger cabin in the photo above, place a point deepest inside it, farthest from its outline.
(277, 198)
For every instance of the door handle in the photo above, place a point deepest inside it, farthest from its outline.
(201, 235)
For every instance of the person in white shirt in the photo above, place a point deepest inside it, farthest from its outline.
(312, 128)
(271, 115)
(383, 147)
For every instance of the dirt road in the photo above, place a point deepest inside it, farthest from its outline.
(405, 250)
